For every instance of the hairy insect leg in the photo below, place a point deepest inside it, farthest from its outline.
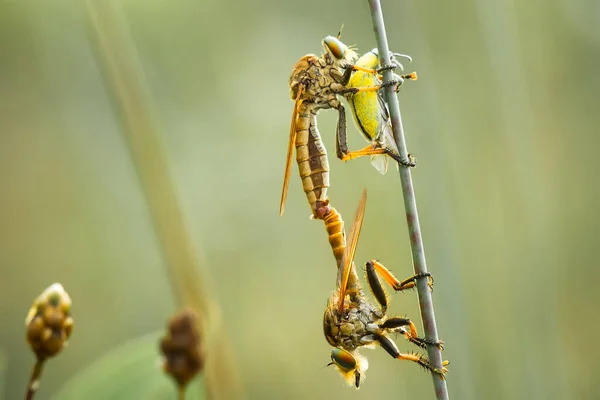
(408, 164)
(388, 67)
(374, 268)
(389, 346)
(411, 335)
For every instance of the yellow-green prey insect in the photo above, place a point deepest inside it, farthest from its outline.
(362, 77)
(370, 110)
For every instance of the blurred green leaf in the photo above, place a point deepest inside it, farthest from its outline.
(131, 371)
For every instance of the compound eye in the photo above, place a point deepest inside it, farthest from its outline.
(335, 46)
(343, 359)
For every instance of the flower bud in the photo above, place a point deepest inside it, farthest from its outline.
(49, 323)
(181, 347)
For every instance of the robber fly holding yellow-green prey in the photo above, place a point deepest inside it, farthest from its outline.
(314, 84)
(370, 110)
(351, 321)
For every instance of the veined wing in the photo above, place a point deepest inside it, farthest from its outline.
(350, 251)
(290, 150)
(386, 136)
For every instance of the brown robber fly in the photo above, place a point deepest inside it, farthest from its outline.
(351, 322)
(314, 84)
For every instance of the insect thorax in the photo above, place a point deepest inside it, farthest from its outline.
(320, 81)
(355, 326)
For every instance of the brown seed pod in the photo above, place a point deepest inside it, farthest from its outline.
(181, 347)
(49, 323)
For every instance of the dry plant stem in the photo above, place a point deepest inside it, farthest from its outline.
(189, 277)
(34, 381)
(410, 205)
(182, 392)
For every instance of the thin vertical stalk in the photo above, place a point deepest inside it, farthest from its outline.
(34, 380)
(189, 277)
(410, 205)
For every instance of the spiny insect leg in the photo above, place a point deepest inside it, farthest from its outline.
(398, 322)
(392, 350)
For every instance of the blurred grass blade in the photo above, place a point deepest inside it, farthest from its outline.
(189, 277)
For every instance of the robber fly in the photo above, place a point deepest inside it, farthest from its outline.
(371, 114)
(351, 322)
(314, 84)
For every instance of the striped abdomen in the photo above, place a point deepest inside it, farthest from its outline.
(334, 224)
(312, 158)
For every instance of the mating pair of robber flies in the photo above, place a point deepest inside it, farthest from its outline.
(350, 321)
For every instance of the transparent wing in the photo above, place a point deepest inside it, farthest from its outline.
(290, 150)
(348, 258)
(380, 163)
(386, 136)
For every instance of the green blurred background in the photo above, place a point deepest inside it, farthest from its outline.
(503, 121)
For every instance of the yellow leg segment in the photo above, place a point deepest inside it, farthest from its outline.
(363, 69)
(422, 361)
(370, 150)
(368, 89)
(397, 285)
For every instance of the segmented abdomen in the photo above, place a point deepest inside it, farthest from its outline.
(312, 159)
(334, 224)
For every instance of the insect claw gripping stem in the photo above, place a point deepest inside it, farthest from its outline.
(407, 164)
(388, 67)
(424, 362)
(418, 276)
(442, 372)
(423, 342)
(393, 82)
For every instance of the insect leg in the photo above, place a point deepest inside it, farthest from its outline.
(370, 150)
(373, 268)
(392, 350)
(341, 142)
(345, 78)
(349, 69)
(376, 288)
(354, 90)
(408, 164)
(397, 322)
(397, 285)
